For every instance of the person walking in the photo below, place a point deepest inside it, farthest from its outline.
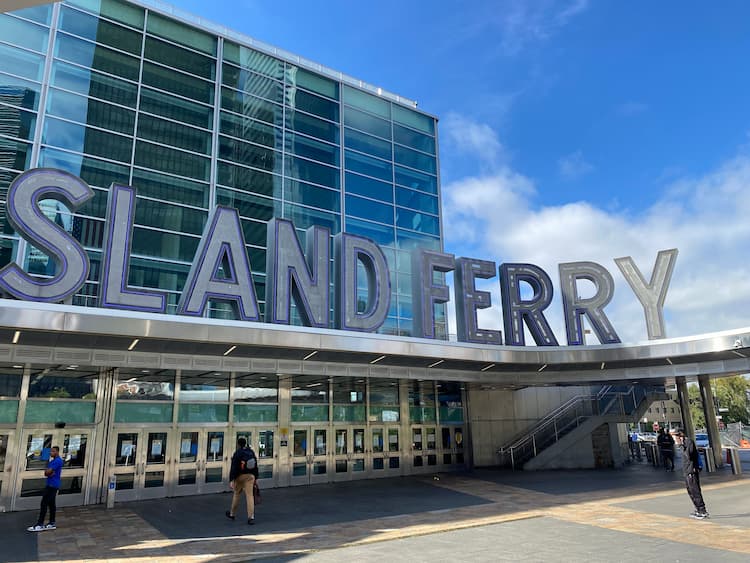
(665, 442)
(53, 473)
(242, 476)
(691, 470)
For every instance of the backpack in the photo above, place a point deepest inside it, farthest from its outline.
(247, 459)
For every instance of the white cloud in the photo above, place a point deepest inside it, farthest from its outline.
(465, 136)
(574, 166)
(496, 216)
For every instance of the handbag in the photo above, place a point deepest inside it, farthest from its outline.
(256, 493)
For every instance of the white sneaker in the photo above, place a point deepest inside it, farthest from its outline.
(36, 528)
(50, 526)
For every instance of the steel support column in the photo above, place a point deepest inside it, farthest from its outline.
(682, 395)
(707, 397)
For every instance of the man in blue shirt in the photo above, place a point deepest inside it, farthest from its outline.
(53, 474)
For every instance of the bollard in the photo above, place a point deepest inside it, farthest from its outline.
(734, 459)
(709, 465)
(111, 491)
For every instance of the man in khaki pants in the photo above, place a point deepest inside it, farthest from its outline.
(242, 477)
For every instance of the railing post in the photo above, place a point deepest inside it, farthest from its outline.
(512, 461)
(533, 442)
(556, 438)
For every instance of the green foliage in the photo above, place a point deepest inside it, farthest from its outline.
(58, 393)
(696, 407)
(731, 393)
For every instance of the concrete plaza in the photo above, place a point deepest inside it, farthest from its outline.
(633, 514)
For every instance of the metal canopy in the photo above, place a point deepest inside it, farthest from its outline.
(235, 345)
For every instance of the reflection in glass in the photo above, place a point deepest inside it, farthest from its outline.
(299, 444)
(215, 446)
(321, 437)
(341, 434)
(74, 450)
(265, 443)
(157, 447)
(377, 440)
(393, 440)
(417, 439)
(38, 446)
(188, 447)
(3, 450)
(66, 384)
(359, 440)
(127, 444)
(139, 386)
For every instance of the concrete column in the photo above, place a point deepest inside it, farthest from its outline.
(707, 396)
(682, 395)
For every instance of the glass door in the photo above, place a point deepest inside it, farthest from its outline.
(309, 455)
(201, 461)
(264, 446)
(75, 480)
(349, 453)
(386, 451)
(7, 446)
(140, 464)
(423, 449)
(452, 442)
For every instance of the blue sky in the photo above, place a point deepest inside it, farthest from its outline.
(569, 130)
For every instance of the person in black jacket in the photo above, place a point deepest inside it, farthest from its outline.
(242, 476)
(691, 469)
(666, 448)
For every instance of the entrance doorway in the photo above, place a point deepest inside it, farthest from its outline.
(139, 462)
(309, 455)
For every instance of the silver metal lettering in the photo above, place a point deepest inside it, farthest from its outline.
(425, 292)
(469, 299)
(516, 310)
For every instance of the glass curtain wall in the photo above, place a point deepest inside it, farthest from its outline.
(113, 92)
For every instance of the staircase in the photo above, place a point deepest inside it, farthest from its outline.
(582, 413)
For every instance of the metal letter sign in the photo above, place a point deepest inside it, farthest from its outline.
(27, 218)
(362, 282)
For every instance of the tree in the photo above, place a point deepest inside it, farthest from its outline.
(696, 406)
(731, 393)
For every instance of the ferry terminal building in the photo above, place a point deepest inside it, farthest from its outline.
(149, 369)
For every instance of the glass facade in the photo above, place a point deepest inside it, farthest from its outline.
(115, 91)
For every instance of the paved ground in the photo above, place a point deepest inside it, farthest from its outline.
(634, 514)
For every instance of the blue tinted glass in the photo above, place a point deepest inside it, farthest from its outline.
(360, 185)
(254, 60)
(176, 108)
(39, 14)
(94, 84)
(18, 92)
(252, 83)
(90, 112)
(101, 31)
(181, 84)
(381, 234)
(416, 180)
(249, 130)
(163, 215)
(311, 103)
(158, 244)
(249, 179)
(23, 33)
(313, 82)
(369, 102)
(369, 166)
(114, 10)
(15, 154)
(304, 217)
(249, 205)
(416, 221)
(20, 63)
(169, 188)
(414, 119)
(255, 233)
(91, 170)
(86, 140)
(251, 106)
(181, 33)
(414, 159)
(313, 126)
(413, 139)
(410, 241)
(366, 122)
(174, 134)
(172, 161)
(369, 209)
(309, 171)
(313, 149)
(250, 155)
(95, 56)
(314, 196)
(367, 143)
(16, 123)
(179, 58)
(417, 200)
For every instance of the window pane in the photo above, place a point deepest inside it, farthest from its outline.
(249, 205)
(93, 84)
(417, 221)
(177, 83)
(92, 171)
(176, 57)
(255, 413)
(251, 106)
(415, 159)
(249, 130)
(172, 217)
(113, 9)
(249, 179)
(40, 14)
(311, 103)
(249, 155)
(413, 139)
(409, 241)
(101, 31)
(365, 122)
(176, 108)
(68, 384)
(369, 166)
(313, 82)
(307, 194)
(310, 389)
(416, 200)
(15, 154)
(147, 242)
(95, 56)
(87, 140)
(169, 188)
(10, 383)
(255, 233)
(21, 63)
(369, 209)
(362, 100)
(19, 93)
(304, 217)
(311, 172)
(23, 33)
(174, 134)
(181, 33)
(143, 412)
(72, 412)
(367, 143)
(382, 234)
(172, 161)
(202, 413)
(16, 123)
(252, 83)
(416, 180)
(135, 385)
(312, 126)
(312, 149)
(414, 119)
(254, 60)
(360, 185)
(90, 112)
